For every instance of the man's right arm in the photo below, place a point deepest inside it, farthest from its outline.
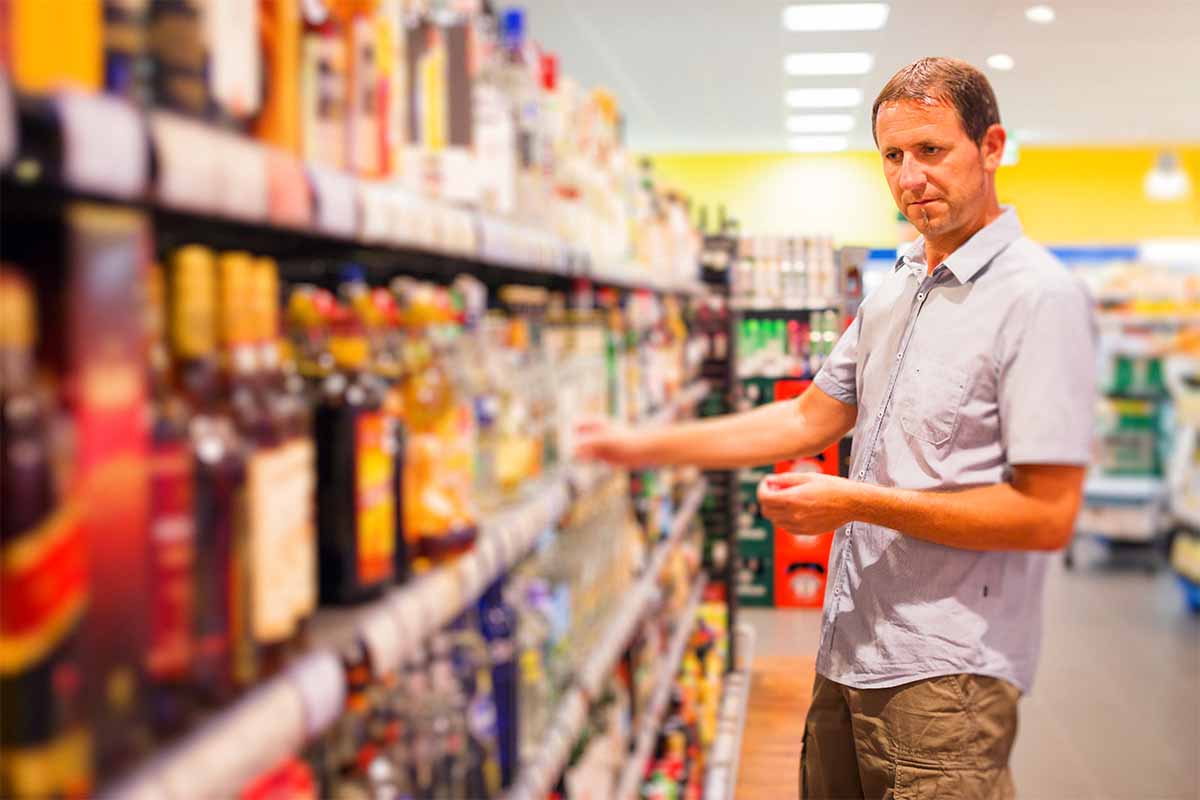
(803, 426)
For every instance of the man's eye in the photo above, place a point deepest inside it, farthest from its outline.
(931, 150)
(893, 156)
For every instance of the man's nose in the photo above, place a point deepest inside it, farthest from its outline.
(912, 175)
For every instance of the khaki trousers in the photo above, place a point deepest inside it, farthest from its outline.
(947, 737)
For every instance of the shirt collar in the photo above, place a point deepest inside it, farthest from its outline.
(978, 251)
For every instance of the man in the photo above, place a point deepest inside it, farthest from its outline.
(968, 379)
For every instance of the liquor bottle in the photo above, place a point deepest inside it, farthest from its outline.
(50, 49)
(125, 38)
(498, 623)
(234, 69)
(43, 749)
(322, 86)
(172, 528)
(219, 577)
(439, 508)
(279, 121)
(107, 396)
(179, 52)
(364, 125)
(355, 502)
(280, 477)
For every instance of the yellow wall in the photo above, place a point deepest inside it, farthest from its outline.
(1065, 196)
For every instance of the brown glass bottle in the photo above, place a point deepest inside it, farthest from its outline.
(218, 582)
(355, 481)
(172, 529)
(43, 579)
(281, 475)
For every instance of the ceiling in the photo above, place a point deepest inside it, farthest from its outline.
(707, 75)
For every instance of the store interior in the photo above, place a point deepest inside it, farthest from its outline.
(304, 305)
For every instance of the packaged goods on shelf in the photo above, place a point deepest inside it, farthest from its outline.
(421, 111)
(271, 467)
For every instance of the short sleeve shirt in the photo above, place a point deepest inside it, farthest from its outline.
(959, 375)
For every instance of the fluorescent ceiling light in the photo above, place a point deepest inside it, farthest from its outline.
(828, 63)
(1001, 61)
(820, 123)
(823, 98)
(817, 144)
(1043, 15)
(835, 17)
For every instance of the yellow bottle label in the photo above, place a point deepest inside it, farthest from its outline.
(193, 299)
(374, 491)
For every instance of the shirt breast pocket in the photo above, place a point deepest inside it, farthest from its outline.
(932, 405)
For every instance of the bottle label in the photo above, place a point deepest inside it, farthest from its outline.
(43, 590)
(172, 553)
(279, 495)
(375, 501)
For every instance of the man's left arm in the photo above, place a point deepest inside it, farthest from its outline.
(1035, 511)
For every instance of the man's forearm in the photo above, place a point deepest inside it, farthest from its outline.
(767, 434)
(999, 517)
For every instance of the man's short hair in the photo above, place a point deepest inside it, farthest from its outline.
(946, 80)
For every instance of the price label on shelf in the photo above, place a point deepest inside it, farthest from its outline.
(335, 196)
(409, 615)
(321, 683)
(374, 219)
(187, 176)
(381, 635)
(243, 185)
(289, 195)
(104, 144)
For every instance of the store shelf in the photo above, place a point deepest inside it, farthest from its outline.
(721, 780)
(205, 177)
(787, 313)
(220, 757)
(537, 778)
(688, 397)
(631, 777)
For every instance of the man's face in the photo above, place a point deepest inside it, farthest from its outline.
(938, 176)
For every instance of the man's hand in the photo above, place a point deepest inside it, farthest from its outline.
(806, 503)
(602, 440)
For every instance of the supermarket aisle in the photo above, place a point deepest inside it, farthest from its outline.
(1114, 713)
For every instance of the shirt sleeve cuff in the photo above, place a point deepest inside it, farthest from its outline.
(831, 387)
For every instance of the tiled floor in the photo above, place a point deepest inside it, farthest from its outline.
(1115, 713)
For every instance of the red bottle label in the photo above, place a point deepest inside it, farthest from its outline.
(172, 553)
(43, 590)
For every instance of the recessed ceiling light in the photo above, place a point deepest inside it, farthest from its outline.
(828, 63)
(823, 98)
(820, 123)
(817, 144)
(835, 17)
(1001, 61)
(1043, 15)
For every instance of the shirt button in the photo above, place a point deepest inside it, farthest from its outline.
(920, 295)
(862, 474)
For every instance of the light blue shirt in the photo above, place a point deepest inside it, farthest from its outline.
(958, 376)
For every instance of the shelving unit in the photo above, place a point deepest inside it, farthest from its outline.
(721, 780)
(219, 758)
(537, 778)
(631, 776)
(223, 183)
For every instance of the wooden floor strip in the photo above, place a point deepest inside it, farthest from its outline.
(780, 690)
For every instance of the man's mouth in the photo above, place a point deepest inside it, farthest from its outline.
(924, 202)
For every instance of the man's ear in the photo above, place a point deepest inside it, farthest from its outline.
(992, 147)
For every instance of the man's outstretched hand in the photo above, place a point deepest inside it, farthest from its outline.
(603, 440)
(806, 503)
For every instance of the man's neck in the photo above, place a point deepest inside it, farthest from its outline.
(939, 249)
